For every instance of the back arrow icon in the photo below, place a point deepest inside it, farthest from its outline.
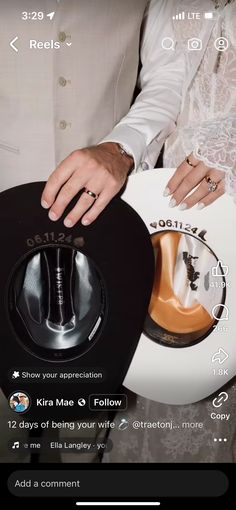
(12, 44)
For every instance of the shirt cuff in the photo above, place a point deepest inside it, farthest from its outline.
(132, 141)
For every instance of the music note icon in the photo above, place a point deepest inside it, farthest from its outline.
(15, 445)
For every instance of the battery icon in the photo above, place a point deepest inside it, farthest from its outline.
(208, 15)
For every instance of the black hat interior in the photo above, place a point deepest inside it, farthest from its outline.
(71, 298)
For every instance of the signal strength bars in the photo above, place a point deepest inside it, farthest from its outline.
(179, 16)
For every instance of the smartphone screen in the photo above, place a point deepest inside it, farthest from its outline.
(117, 264)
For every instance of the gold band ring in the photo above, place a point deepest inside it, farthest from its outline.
(189, 162)
(91, 193)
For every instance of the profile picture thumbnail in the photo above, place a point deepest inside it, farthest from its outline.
(19, 402)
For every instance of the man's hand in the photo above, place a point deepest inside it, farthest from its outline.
(101, 169)
(206, 185)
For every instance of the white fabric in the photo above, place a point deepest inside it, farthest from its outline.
(214, 142)
(152, 117)
(206, 125)
(43, 121)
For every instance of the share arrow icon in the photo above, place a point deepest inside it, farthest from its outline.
(51, 15)
(221, 356)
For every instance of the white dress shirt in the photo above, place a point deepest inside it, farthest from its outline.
(153, 115)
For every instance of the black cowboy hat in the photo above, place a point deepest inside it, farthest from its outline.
(71, 299)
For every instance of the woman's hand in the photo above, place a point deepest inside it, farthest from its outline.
(206, 185)
(100, 170)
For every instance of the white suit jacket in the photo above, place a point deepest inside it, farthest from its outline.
(53, 101)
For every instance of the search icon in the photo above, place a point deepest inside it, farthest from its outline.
(168, 43)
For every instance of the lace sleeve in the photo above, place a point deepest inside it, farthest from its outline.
(214, 143)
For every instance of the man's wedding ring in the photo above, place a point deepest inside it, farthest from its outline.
(189, 162)
(212, 185)
(91, 193)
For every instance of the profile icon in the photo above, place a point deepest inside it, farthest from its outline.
(221, 44)
(19, 402)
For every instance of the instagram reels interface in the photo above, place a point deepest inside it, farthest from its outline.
(117, 260)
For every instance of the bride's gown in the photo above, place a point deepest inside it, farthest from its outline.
(206, 126)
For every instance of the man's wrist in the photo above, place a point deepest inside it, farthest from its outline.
(126, 154)
(118, 148)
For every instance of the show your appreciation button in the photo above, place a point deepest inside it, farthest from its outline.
(108, 402)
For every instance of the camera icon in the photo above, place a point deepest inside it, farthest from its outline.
(194, 44)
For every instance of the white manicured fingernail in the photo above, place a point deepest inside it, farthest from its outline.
(166, 192)
(183, 206)
(200, 206)
(67, 223)
(172, 203)
(52, 216)
(44, 204)
(85, 222)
